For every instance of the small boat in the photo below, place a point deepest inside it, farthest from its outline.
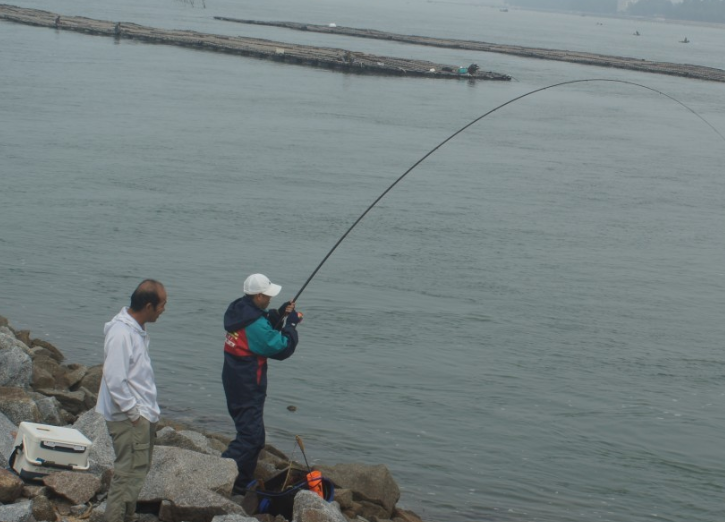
(636, 33)
(685, 40)
(504, 10)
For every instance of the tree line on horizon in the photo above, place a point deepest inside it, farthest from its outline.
(696, 10)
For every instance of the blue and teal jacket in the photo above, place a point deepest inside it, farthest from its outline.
(253, 335)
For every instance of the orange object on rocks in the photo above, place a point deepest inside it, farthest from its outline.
(314, 483)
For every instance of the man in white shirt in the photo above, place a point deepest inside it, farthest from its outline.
(127, 398)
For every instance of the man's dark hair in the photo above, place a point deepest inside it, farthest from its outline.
(147, 292)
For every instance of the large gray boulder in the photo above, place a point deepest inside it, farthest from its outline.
(310, 507)
(77, 487)
(8, 340)
(186, 439)
(195, 487)
(16, 366)
(8, 431)
(368, 483)
(20, 512)
(18, 405)
(101, 456)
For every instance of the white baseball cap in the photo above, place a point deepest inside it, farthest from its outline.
(260, 284)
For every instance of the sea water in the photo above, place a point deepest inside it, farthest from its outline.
(527, 328)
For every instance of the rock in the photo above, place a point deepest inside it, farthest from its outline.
(41, 378)
(31, 491)
(8, 340)
(48, 348)
(371, 510)
(77, 487)
(343, 497)
(18, 406)
(274, 457)
(7, 331)
(186, 439)
(371, 483)
(53, 368)
(49, 409)
(3, 321)
(62, 506)
(11, 486)
(309, 507)
(265, 471)
(79, 510)
(8, 431)
(23, 336)
(216, 443)
(90, 400)
(72, 401)
(20, 512)
(194, 487)
(66, 418)
(202, 442)
(233, 518)
(43, 509)
(401, 515)
(92, 379)
(101, 455)
(16, 366)
(99, 513)
(74, 374)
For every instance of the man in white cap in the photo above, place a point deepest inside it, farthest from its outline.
(254, 334)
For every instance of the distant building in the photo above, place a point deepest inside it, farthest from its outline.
(623, 5)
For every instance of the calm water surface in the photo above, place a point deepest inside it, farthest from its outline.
(528, 328)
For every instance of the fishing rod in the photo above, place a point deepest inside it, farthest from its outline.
(459, 131)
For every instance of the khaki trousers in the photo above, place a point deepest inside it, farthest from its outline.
(133, 446)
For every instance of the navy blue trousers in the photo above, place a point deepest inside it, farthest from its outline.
(245, 402)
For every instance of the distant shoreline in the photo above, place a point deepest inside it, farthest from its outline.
(615, 16)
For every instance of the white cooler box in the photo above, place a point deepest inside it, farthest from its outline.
(41, 449)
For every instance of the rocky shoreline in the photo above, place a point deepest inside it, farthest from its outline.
(188, 481)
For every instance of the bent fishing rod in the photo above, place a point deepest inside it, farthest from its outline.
(459, 131)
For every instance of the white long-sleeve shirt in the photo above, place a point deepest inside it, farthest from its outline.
(128, 389)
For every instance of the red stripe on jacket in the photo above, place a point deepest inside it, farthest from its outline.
(236, 344)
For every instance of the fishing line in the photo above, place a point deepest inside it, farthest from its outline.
(449, 138)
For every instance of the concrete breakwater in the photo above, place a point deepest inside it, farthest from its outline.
(188, 481)
(326, 57)
(599, 60)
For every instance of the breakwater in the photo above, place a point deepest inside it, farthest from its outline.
(331, 58)
(598, 60)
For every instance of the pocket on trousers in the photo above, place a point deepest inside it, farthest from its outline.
(141, 454)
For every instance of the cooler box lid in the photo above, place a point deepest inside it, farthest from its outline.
(52, 437)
